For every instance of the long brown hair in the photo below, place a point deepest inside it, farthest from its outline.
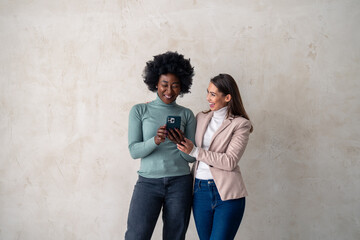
(227, 85)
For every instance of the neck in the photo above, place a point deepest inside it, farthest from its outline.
(221, 113)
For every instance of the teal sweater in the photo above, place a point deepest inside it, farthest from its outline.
(163, 160)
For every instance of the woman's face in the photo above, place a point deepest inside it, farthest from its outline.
(169, 87)
(216, 99)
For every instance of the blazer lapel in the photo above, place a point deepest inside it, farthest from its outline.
(225, 123)
(203, 127)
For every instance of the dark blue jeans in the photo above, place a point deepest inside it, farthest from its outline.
(215, 219)
(171, 194)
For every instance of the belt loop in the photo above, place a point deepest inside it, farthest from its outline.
(210, 182)
(199, 184)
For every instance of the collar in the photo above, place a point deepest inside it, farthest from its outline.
(221, 113)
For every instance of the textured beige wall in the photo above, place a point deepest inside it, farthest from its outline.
(71, 70)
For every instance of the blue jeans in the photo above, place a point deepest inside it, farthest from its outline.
(215, 219)
(171, 194)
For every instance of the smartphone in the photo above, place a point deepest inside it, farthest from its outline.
(173, 122)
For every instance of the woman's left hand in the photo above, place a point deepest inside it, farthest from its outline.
(186, 146)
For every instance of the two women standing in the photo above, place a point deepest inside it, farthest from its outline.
(164, 180)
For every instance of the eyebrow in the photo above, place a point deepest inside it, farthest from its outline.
(168, 82)
(210, 92)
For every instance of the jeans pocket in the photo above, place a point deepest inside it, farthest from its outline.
(197, 188)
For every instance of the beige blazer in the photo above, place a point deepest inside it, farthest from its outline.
(226, 148)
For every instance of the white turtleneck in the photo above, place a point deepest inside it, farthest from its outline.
(203, 171)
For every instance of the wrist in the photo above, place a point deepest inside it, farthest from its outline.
(194, 152)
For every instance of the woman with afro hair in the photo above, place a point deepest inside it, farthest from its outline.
(164, 182)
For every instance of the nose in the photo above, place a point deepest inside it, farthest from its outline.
(168, 90)
(208, 97)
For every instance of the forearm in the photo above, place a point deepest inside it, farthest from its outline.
(187, 157)
(229, 159)
(222, 161)
(142, 149)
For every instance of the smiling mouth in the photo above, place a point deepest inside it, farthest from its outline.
(211, 105)
(168, 97)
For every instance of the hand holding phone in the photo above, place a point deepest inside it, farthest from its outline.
(173, 124)
(160, 134)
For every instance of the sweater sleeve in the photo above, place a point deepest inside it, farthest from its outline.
(138, 147)
(189, 133)
(229, 159)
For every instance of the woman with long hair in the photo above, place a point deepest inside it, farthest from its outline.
(221, 137)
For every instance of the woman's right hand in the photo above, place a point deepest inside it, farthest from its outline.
(186, 146)
(160, 135)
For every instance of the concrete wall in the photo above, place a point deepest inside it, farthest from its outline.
(71, 70)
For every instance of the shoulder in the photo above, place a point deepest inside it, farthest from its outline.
(139, 108)
(186, 111)
(241, 122)
(202, 115)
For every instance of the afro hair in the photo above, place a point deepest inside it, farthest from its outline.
(169, 62)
